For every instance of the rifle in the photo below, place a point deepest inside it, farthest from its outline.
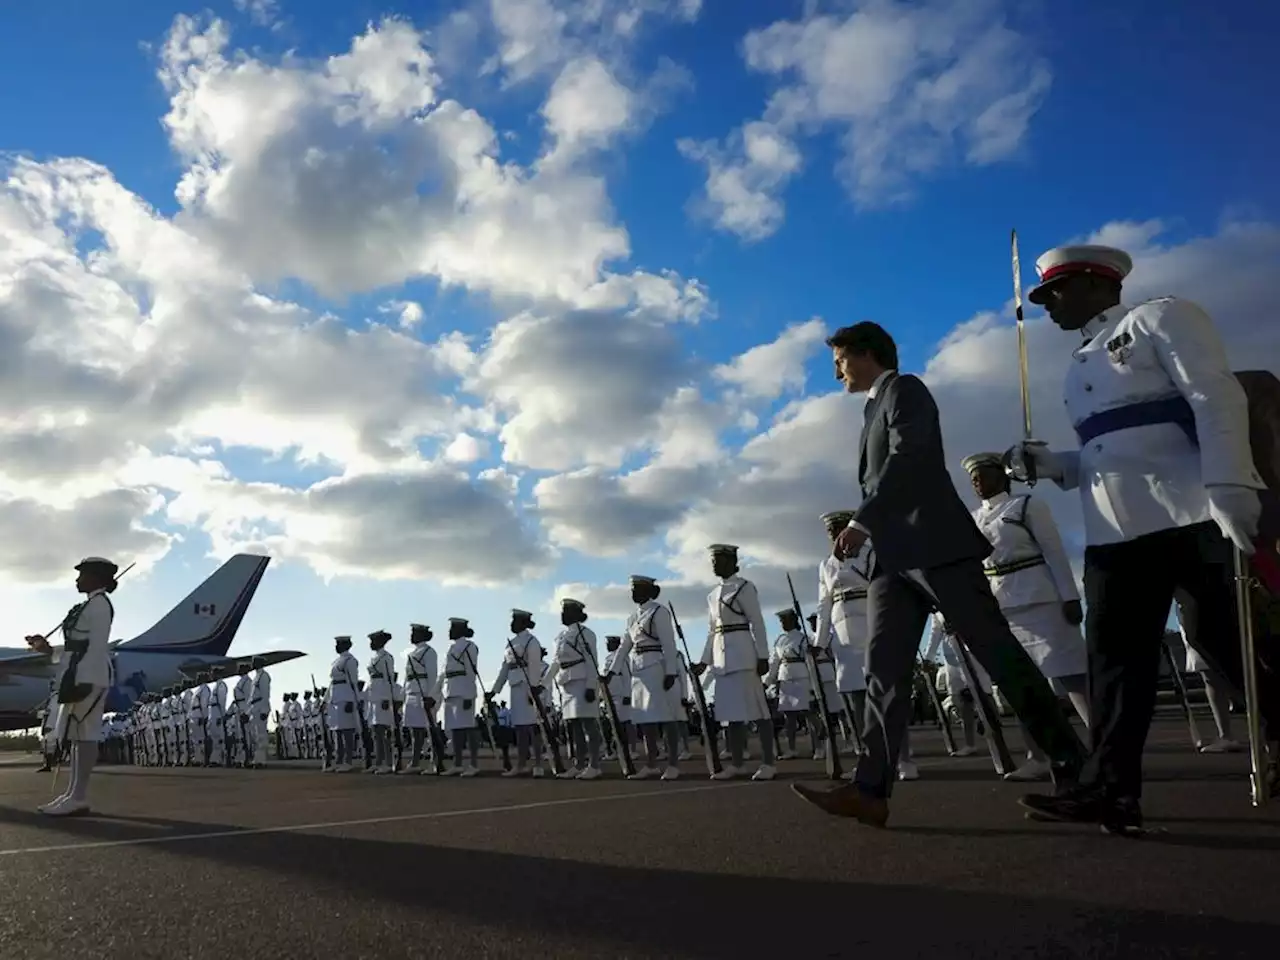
(624, 751)
(324, 724)
(433, 729)
(832, 756)
(948, 738)
(495, 728)
(395, 720)
(553, 745)
(365, 739)
(1180, 687)
(986, 710)
(711, 748)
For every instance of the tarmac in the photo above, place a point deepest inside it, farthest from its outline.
(289, 861)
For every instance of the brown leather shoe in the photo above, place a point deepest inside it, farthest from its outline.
(847, 801)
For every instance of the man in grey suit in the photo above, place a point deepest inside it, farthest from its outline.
(929, 555)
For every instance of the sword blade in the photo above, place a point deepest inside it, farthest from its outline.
(1024, 378)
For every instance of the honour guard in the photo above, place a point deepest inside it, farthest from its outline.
(343, 703)
(789, 673)
(573, 669)
(382, 668)
(649, 649)
(1167, 483)
(523, 666)
(84, 679)
(259, 708)
(1032, 581)
(217, 723)
(738, 649)
(421, 691)
(617, 673)
(458, 691)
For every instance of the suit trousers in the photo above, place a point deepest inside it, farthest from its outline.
(1129, 589)
(897, 612)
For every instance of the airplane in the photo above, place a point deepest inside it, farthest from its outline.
(192, 637)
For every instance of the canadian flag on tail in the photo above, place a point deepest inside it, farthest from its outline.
(205, 609)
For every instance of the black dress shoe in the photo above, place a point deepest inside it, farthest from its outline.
(1122, 817)
(1077, 805)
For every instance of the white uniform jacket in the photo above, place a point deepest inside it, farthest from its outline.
(1146, 382)
(1028, 564)
(522, 661)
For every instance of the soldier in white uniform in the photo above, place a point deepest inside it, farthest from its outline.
(217, 714)
(617, 670)
(200, 718)
(1032, 581)
(648, 650)
(344, 673)
(789, 673)
(84, 680)
(186, 729)
(737, 649)
(422, 679)
(382, 668)
(523, 664)
(1167, 484)
(259, 709)
(48, 719)
(575, 671)
(458, 692)
(826, 664)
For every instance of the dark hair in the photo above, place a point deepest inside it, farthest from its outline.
(867, 338)
(656, 590)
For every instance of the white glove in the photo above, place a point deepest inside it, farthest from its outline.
(1046, 464)
(1236, 510)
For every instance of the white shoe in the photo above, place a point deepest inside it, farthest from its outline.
(569, 774)
(538, 772)
(1220, 746)
(645, 773)
(765, 772)
(725, 755)
(907, 770)
(342, 768)
(590, 773)
(671, 773)
(1030, 771)
(446, 772)
(513, 772)
(469, 771)
(685, 754)
(65, 807)
(819, 754)
(786, 755)
(728, 773)
(965, 752)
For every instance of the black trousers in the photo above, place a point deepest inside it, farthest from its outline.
(1129, 589)
(897, 611)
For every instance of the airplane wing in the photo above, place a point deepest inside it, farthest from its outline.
(19, 662)
(229, 666)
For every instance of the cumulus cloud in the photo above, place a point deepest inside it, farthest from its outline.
(908, 87)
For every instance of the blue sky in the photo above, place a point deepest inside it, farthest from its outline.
(908, 157)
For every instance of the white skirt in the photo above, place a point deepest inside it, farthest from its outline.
(831, 694)
(1056, 646)
(523, 712)
(649, 702)
(740, 697)
(415, 714)
(793, 695)
(574, 705)
(457, 716)
(382, 716)
(83, 720)
(340, 718)
(621, 702)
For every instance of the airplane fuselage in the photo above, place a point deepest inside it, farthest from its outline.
(21, 695)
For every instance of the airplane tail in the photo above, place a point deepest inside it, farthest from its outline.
(206, 621)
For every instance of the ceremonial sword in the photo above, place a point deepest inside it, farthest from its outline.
(1026, 473)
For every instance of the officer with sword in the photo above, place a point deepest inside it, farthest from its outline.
(1171, 497)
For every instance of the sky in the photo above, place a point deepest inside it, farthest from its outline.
(458, 307)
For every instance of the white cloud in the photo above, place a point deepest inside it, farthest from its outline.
(768, 370)
(356, 173)
(264, 13)
(908, 88)
(465, 448)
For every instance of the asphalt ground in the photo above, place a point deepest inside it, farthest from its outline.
(288, 861)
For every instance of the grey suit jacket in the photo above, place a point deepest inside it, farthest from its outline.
(909, 503)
